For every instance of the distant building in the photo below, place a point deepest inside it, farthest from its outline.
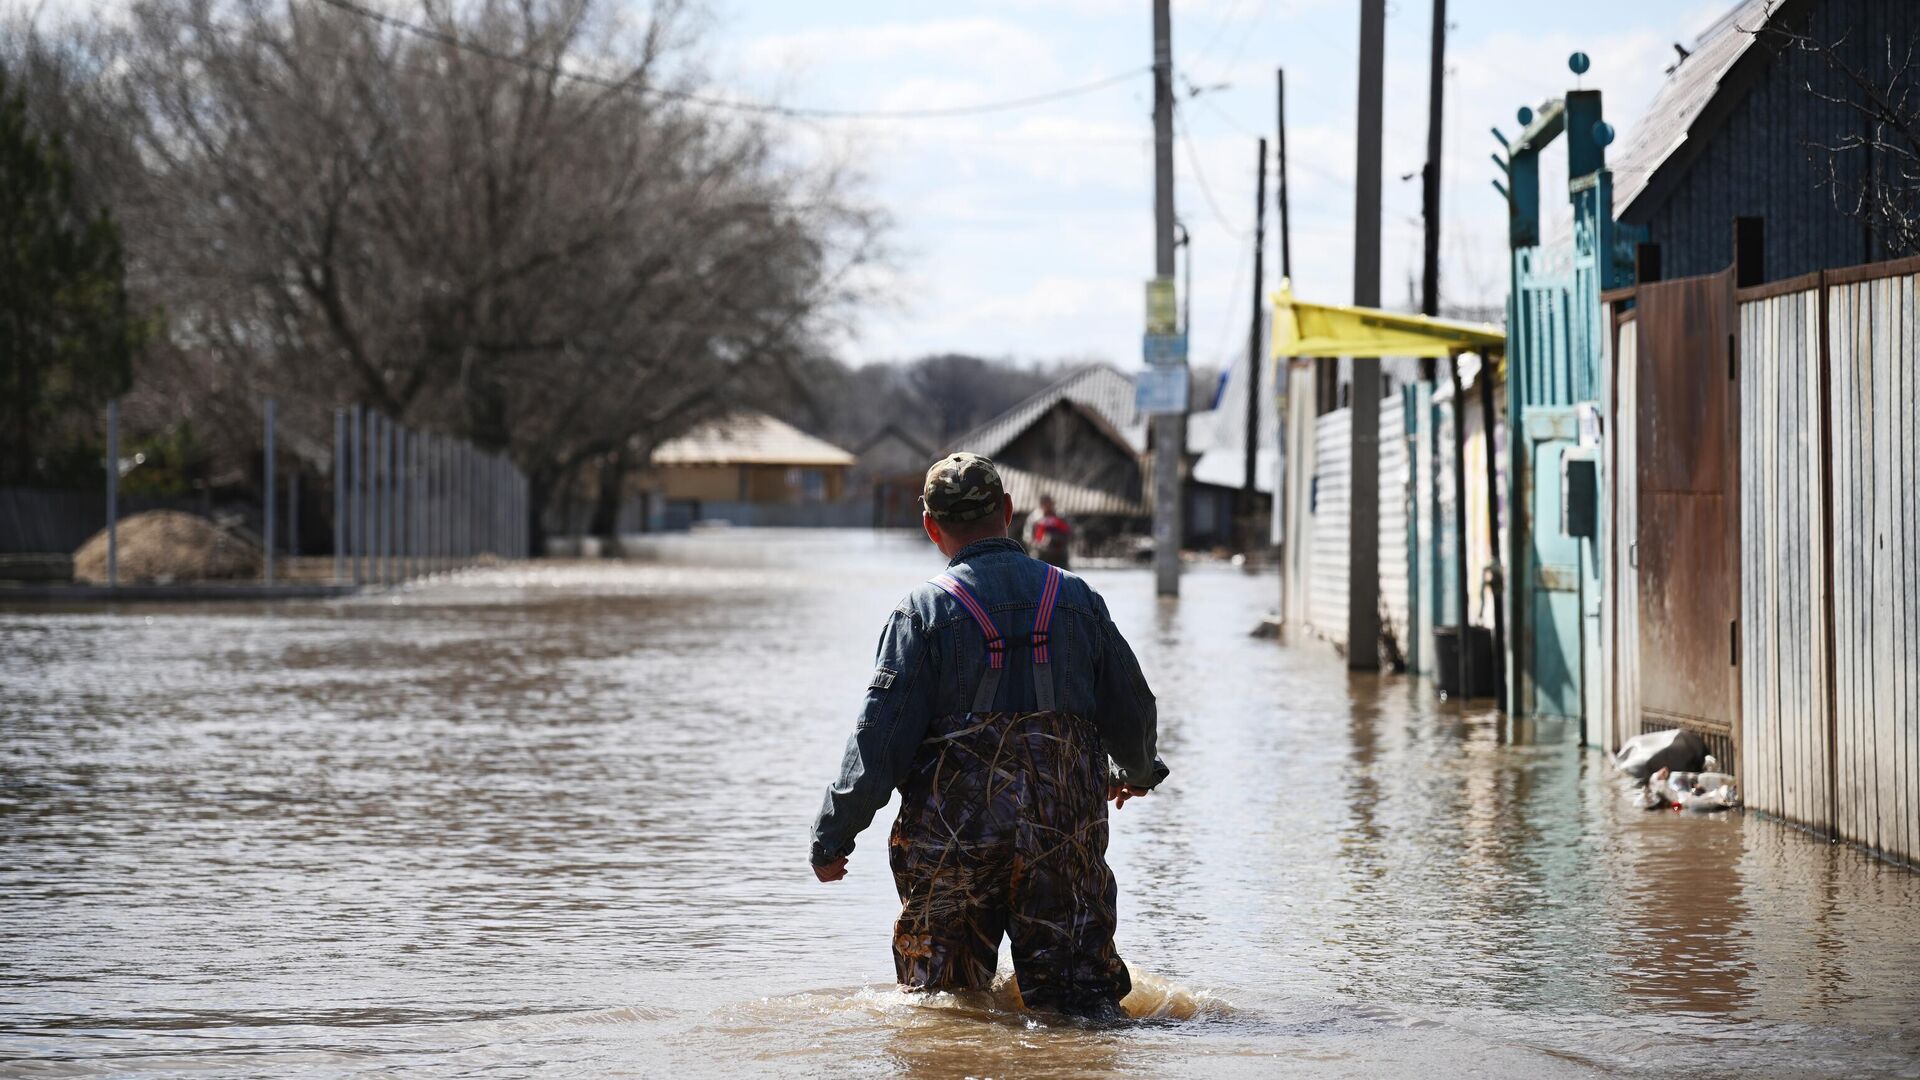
(1217, 446)
(750, 468)
(892, 468)
(1081, 441)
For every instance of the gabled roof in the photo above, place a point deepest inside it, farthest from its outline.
(890, 430)
(1073, 500)
(1101, 390)
(749, 438)
(1665, 139)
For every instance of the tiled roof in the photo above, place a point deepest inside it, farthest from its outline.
(1102, 389)
(749, 439)
(1663, 132)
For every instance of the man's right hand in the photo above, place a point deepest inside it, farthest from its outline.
(832, 871)
(1120, 793)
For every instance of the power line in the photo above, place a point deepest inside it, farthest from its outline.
(1200, 178)
(799, 112)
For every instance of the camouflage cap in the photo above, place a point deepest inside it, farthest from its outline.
(962, 487)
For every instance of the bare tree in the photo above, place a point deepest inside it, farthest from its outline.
(1872, 171)
(502, 219)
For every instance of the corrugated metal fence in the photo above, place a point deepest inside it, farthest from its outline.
(1396, 474)
(1327, 545)
(1830, 553)
(1330, 519)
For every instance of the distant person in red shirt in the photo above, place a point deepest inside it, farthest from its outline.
(1048, 534)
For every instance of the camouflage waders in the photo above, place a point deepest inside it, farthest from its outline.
(1003, 829)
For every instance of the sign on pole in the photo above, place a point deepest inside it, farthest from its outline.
(1163, 350)
(1161, 391)
(1163, 313)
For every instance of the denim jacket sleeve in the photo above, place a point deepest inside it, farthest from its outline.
(894, 719)
(1127, 714)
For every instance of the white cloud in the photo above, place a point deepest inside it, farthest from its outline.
(977, 46)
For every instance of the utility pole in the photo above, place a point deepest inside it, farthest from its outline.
(1249, 487)
(1285, 223)
(1283, 368)
(1430, 177)
(1169, 431)
(1363, 539)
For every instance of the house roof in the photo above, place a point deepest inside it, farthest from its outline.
(1102, 391)
(892, 431)
(749, 438)
(1665, 139)
(1069, 499)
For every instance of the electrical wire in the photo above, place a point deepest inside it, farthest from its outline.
(799, 112)
(1200, 178)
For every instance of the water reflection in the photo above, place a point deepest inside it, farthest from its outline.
(553, 820)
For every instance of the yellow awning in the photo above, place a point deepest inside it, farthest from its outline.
(1329, 330)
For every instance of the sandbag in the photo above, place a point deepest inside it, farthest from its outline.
(1679, 750)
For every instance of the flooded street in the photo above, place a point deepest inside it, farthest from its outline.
(554, 820)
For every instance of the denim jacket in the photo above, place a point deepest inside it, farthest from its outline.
(929, 663)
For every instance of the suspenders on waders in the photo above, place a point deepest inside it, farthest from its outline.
(989, 684)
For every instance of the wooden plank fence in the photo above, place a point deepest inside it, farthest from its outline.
(1830, 554)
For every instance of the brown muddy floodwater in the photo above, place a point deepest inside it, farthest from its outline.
(553, 821)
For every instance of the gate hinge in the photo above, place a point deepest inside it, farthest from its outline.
(1733, 643)
(1733, 358)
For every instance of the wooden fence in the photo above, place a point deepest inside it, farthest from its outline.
(1830, 553)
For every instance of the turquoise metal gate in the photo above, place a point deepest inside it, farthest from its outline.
(1554, 383)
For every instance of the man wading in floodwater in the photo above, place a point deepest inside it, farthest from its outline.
(1002, 687)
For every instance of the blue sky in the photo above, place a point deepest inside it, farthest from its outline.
(1028, 233)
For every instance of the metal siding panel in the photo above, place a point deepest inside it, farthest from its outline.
(1900, 302)
(1840, 380)
(1627, 513)
(1811, 723)
(1909, 350)
(1793, 581)
(1850, 370)
(1757, 644)
(1898, 644)
(1809, 699)
(1779, 591)
(1394, 480)
(1910, 722)
(1769, 569)
(1883, 596)
(1816, 480)
(1332, 474)
(1779, 579)
(1905, 794)
(1759, 675)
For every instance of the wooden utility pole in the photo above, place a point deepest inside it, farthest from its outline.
(1285, 224)
(1363, 539)
(1283, 369)
(1249, 485)
(1169, 432)
(1430, 176)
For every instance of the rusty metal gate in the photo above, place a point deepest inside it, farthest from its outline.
(1687, 548)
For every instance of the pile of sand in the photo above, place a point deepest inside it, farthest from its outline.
(161, 547)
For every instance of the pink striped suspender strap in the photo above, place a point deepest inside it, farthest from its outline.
(997, 647)
(1042, 642)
